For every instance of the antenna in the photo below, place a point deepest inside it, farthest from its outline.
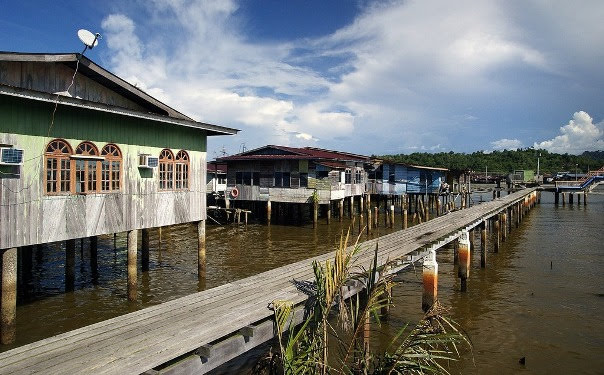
(89, 39)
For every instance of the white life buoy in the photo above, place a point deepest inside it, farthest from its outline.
(234, 192)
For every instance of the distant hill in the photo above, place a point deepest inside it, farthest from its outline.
(505, 161)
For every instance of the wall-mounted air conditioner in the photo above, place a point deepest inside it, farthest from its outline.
(147, 161)
(11, 156)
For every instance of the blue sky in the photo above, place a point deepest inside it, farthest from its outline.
(370, 77)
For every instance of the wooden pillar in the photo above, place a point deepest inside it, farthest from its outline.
(483, 244)
(504, 226)
(351, 207)
(145, 250)
(315, 214)
(556, 198)
(578, 199)
(471, 238)
(69, 265)
(132, 269)
(94, 260)
(585, 198)
(497, 234)
(405, 218)
(341, 209)
(376, 212)
(361, 205)
(426, 213)
(392, 216)
(437, 206)
(8, 304)
(456, 251)
(201, 248)
(328, 214)
(369, 220)
(571, 197)
(430, 281)
(564, 199)
(464, 259)
(268, 212)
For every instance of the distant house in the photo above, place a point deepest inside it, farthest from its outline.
(390, 178)
(294, 175)
(216, 179)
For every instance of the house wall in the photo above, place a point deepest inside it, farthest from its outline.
(28, 216)
(407, 180)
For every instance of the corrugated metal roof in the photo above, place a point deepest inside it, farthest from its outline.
(309, 153)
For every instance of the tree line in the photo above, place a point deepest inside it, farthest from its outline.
(505, 161)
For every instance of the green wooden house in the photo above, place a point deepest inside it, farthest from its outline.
(84, 153)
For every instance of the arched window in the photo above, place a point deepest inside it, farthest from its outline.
(182, 170)
(57, 165)
(111, 168)
(166, 170)
(87, 168)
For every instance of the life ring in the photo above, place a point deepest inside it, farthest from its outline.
(234, 192)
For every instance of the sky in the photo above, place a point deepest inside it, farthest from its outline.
(369, 77)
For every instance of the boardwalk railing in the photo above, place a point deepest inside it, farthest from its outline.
(206, 329)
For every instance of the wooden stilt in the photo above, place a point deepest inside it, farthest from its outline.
(328, 214)
(315, 213)
(392, 216)
(369, 219)
(145, 250)
(483, 244)
(497, 234)
(351, 206)
(132, 269)
(405, 218)
(430, 281)
(69, 265)
(585, 198)
(201, 248)
(268, 212)
(94, 262)
(8, 303)
(341, 209)
(376, 211)
(504, 226)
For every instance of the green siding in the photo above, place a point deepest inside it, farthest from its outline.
(29, 117)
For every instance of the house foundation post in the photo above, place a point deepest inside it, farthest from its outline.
(132, 269)
(464, 259)
(430, 281)
(201, 248)
(8, 304)
(69, 265)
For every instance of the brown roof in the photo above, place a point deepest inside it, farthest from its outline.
(295, 153)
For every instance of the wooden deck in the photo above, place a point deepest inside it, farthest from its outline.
(138, 342)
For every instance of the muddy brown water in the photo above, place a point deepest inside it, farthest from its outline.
(540, 297)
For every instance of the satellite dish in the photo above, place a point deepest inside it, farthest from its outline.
(88, 38)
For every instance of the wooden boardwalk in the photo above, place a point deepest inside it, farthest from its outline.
(138, 342)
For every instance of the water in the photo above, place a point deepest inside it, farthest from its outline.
(540, 297)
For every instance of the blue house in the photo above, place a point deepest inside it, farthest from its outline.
(390, 178)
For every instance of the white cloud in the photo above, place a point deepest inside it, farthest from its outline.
(506, 144)
(400, 72)
(580, 134)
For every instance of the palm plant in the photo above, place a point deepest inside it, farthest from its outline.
(333, 339)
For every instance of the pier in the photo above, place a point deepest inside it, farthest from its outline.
(201, 331)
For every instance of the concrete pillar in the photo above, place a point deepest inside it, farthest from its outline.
(315, 214)
(351, 207)
(8, 304)
(201, 248)
(69, 265)
(369, 219)
(268, 212)
(430, 281)
(483, 244)
(361, 205)
(456, 251)
(405, 218)
(464, 259)
(328, 213)
(145, 250)
(497, 234)
(341, 209)
(132, 269)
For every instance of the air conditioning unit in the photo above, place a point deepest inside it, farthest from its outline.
(147, 161)
(11, 156)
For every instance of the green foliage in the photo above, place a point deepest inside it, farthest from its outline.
(505, 161)
(318, 346)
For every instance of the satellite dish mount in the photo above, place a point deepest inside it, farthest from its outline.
(89, 39)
